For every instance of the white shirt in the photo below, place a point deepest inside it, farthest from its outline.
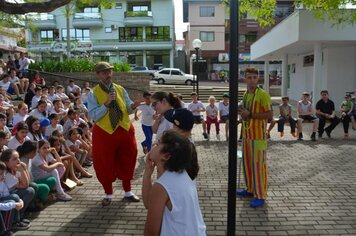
(14, 143)
(36, 162)
(24, 63)
(72, 89)
(212, 111)
(38, 114)
(163, 126)
(5, 85)
(18, 118)
(185, 218)
(12, 180)
(223, 109)
(304, 107)
(35, 101)
(52, 97)
(147, 114)
(76, 143)
(4, 190)
(50, 129)
(196, 106)
(14, 79)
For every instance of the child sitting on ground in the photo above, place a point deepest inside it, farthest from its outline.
(76, 146)
(173, 197)
(212, 117)
(44, 166)
(4, 141)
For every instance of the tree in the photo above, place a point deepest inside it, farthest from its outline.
(333, 10)
(31, 6)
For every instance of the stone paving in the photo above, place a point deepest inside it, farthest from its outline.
(312, 191)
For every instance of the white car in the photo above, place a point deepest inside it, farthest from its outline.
(173, 76)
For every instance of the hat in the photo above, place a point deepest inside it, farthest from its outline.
(180, 117)
(45, 122)
(226, 95)
(103, 65)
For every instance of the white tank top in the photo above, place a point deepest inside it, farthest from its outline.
(185, 218)
(304, 107)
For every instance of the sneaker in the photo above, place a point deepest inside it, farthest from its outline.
(257, 203)
(205, 135)
(218, 137)
(20, 226)
(320, 135)
(8, 233)
(312, 137)
(64, 197)
(300, 138)
(281, 134)
(294, 134)
(328, 133)
(244, 193)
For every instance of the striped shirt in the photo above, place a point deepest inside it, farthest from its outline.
(257, 102)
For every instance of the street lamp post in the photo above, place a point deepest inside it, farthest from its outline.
(197, 45)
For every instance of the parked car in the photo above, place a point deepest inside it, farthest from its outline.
(144, 69)
(174, 76)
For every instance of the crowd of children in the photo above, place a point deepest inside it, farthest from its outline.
(45, 145)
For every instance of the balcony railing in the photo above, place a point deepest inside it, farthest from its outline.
(44, 21)
(157, 38)
(138, 13)
(89, 15)
(131, 39)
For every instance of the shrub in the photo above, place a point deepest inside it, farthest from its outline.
(74, 66)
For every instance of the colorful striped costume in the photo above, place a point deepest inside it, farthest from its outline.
(255, 143)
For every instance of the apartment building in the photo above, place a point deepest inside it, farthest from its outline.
(209, 21)
(137, 32)
(9, 38)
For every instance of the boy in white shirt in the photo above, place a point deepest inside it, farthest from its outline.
(196, 107)
(147, 121)
(36, 98)
(224, 113)
(73, 90)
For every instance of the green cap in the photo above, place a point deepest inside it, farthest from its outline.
(226, 95)
(103, 65)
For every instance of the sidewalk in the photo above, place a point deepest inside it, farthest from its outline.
(312, 191)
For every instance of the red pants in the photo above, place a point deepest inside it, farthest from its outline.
(114, 157)
(210, 121)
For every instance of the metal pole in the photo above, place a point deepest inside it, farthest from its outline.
(197, 69)
(233, 90)
(194, 73)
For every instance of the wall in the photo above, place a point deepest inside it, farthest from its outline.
(338, 74)
(216, 24)
(134, 83)
(341, 72)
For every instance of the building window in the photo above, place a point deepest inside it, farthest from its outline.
(77, 34)
(207, 36)
(140, 8)
(118, 5)
(108, 30)
(251, 37)
(207, 11)
(91, 10)
(308, 60)
(46, 35)
(158, 33)
(130, 34)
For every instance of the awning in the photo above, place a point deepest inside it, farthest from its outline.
(298, 33)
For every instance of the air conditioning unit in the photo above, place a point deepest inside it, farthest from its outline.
(113, 27)
(299, 6)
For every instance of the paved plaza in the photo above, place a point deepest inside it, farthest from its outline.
(312, 191)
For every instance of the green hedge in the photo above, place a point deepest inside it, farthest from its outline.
(74, 66)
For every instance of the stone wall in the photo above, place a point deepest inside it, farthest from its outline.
(134, 83)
